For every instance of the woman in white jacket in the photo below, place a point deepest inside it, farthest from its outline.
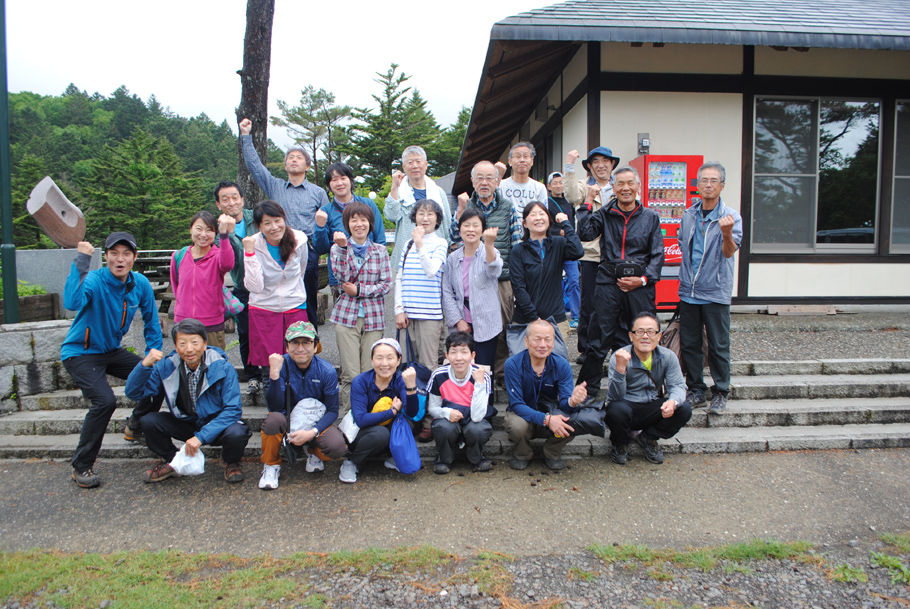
(274, 262)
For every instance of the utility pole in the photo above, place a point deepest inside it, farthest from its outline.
(8, 249)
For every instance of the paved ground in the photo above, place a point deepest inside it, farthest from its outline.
(823, 497)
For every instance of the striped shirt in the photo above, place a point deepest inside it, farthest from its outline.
(418, 289)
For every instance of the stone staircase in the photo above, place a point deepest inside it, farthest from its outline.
(781, 405)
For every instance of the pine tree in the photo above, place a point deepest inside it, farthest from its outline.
(317, 124)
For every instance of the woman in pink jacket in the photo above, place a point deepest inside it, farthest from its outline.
(197, 274)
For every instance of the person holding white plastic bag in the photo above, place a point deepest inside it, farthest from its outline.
(202, 395)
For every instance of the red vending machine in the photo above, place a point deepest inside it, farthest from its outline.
(668, 186)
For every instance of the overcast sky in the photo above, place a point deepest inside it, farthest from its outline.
(187, 53)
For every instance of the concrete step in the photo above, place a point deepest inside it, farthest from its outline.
(740, 413)
(689, 440)
(818, 386)
(822, 366)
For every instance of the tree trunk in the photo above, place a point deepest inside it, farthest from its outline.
(254, 91)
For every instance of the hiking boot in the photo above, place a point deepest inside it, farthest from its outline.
(573, 323)
(718, 404)
(348, 472)
(390, 464)
(269, 478)
(485, 465)
(314, 464)
(580, 359)
(554, 464)
(518, 464)
(695, 397)
(132, 430)
(253, 387)
(652, 450)
(619, 454)
(233, 473)
(440, 468)
(86, 479)
(161, 471)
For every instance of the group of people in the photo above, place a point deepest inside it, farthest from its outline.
(491, 282)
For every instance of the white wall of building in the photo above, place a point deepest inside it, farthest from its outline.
(834, 280)
(671, 58)
(845, 63)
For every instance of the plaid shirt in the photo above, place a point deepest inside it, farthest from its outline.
(374, 279)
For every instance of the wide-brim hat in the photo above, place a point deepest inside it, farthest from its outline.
(602, 151)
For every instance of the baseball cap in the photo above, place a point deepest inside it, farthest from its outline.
(550, 177)
(301, 329)
(120, 237)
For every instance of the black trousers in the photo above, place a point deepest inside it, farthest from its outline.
(89, 372)
(715, 319)
(160, 427)
(622, 417)
(613, 314)
(243, 334)
(370, 441)
(588, 277)
(448, 434)
(311, 284)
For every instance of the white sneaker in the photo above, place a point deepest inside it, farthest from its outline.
(314, 464)
(269, 478)
(390, 464)
(348, 472)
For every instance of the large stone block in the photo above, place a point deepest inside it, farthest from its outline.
(47, 341)
(7, 387)
(36, 377)
(15, 347)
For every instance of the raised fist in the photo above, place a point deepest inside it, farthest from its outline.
(276, 362)
(340, 239)
(84, 247)
(561, 217)
(478, 375)
(409, 376)
(593, 191)
(417, 236)
(500, 167)
(489, 235)
(321, 218)
(580, 393)
(726, 224)
(246, 125)
(623, 358)
(572, 157)
(249, 244)
(226, 224)
(154, 355)
(397, 178)
(463, 200)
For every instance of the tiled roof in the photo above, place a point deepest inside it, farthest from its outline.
(852, 24)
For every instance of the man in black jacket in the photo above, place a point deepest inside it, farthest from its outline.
(631, 257)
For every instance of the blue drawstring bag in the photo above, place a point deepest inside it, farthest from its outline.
(403, 446)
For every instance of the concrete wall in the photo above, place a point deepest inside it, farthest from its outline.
(828, 280)
(49, 269)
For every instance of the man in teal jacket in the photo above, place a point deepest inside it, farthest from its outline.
(202, 394)
(106, 301)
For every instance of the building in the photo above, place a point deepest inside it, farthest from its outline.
(806, 102)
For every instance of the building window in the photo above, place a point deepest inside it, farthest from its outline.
(900, 214)
(816, 175)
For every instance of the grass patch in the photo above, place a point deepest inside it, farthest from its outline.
(895, 566)
(847, 574)
(704, 559)
(901, 541)
(581, 575)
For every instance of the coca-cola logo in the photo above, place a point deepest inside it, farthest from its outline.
(672, 253)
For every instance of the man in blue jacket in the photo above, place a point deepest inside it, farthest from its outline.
(203, 398)
(539, 382)
(298, 375)
(106, 301)
(709, 235)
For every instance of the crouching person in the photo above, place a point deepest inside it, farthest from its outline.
(294, 377)
(646, 392)
(542, 400)
(459, 402)
(377, 396)
(203, 399)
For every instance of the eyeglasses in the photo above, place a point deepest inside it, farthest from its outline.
(711, 181)
(480, 179)
(641, 333)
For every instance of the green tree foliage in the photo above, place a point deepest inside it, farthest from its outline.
(317, 124)
(140, 186)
